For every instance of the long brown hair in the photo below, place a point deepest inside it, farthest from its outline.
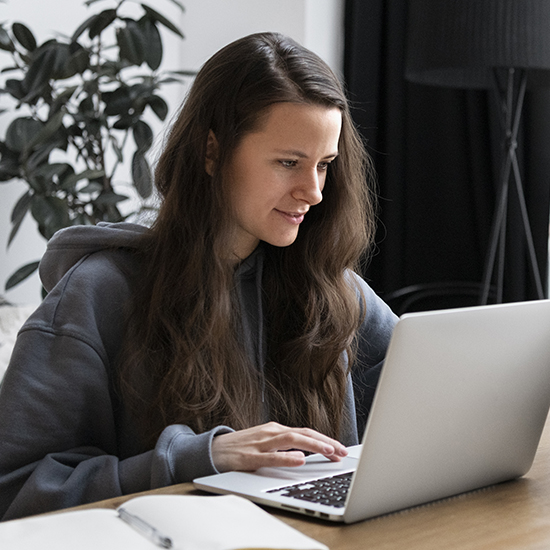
(183, 359)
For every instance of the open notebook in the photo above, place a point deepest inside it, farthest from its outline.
(461, 404)
(182, 522)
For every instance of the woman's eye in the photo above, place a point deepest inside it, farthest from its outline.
(288, 163)
(323, 165)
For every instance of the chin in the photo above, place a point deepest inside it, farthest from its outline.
(280, 244)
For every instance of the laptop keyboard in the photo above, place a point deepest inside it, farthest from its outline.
(330, 491)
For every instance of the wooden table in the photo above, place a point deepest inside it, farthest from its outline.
(514, 514)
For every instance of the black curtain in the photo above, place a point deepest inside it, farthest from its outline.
(437, 153)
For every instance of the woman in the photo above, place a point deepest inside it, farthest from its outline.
(223, 337)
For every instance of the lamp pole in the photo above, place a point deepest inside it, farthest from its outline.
(469, 44)
(510, 119)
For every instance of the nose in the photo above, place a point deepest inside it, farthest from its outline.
(309, 188)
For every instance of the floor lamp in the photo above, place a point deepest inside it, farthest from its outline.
(498, 44)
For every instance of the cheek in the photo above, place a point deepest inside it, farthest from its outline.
(238, 183)
(323, 181)
(253, 184)
(246, 198)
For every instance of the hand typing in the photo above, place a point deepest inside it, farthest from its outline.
(271, 445)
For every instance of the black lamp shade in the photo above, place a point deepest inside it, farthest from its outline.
(458, 43)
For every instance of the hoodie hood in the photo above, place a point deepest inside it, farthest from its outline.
(71, 244)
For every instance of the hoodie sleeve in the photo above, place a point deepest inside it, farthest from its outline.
(373, 339)
(64, 439)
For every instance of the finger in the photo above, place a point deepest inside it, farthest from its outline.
(289, 459)
(339, 449)
(272, 429)
(293, 439)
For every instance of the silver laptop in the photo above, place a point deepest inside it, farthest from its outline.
(461, 404)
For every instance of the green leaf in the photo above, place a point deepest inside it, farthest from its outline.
(9, 69)
(18, 214)
(6, 43)
(156, 16)
(46, 131)
(101, 22)
(63, 178)
(72, 179)
(39, 73)
(91, 87)
(21, 207)
(169, 80)
(40, 209)
(116, 149)
(130, 43)
(41, 155)
(92, 187)
(153, 43)
(21, 131)
(86, 106)
(143, 135)
(80, 58)
(51, 213)
(21, 274)
(109, 198)
(15, 88)
(62, 67)
(109, 213)
(75, 131)
(53, 172)
(179, 4)
(24, 36)
(184, 73)
(117, 102)
(62, 99)
(82, 218)
(13, 232)
(83, 26)
(159, 106)
(124, 122)
(110, 69)
(141, 92)
(9, 169)
(141, 175)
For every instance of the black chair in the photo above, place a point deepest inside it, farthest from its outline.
(440, 295)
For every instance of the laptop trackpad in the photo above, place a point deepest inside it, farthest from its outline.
(316, 466)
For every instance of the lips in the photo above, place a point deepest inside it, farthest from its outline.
(295, 218)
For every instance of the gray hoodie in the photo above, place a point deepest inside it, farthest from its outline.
(65, 436)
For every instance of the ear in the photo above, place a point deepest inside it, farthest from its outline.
(211, 153)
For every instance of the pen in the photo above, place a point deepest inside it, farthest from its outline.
(144, 528)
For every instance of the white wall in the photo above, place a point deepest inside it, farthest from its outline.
(208, 25)
(211, 24)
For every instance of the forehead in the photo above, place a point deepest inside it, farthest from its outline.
(299, 124)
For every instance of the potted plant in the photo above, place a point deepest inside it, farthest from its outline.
(82, 101)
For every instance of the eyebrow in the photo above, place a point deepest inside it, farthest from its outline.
(300, 154)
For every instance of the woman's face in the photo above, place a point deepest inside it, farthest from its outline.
(278, 173)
